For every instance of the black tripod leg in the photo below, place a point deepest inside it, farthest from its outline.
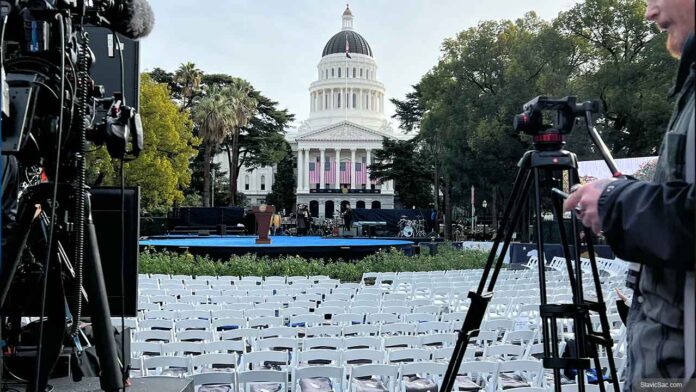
(110, 377)
(479, 300)
(604, 322)
(15, 247)
(558, 208)
(521, 178)
(550, 342)
(54, 330)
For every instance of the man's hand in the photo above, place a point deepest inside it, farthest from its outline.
(586, 198)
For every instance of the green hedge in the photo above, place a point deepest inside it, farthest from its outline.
(447, 258)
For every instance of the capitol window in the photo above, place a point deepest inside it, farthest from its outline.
(353, 72)
(246, 183)
(338, 100)
(332, 72)
(339, 72)
(355, 98)
(361, 73)
(263, 183)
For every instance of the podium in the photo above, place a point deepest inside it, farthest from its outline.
(263, 214)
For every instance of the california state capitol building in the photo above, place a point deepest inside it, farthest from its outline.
(334, 146)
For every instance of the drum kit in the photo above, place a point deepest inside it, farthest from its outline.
(411, 228)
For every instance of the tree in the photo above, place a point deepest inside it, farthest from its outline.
(162, 169)
(213, 116)
(158, 75)
(628, 69)
(188, 80)
(242, 110)
(402, 162)
(282, 195)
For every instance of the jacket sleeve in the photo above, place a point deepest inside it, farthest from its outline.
(648, 223)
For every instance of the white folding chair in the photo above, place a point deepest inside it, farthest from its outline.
(529, 372)
(226, 347)
(249, 377)
(422, 370)
(203, 381)
(322, 343)
(183, 348)
(156, 324)
(167, 366)
(477, 374)
(361, 330)
(149, 336)
(362, 356)
(382, 377)
(214, 362)
(322, 378)
(195, 336)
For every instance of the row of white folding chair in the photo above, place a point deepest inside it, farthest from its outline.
(186, 348)
(390, 377)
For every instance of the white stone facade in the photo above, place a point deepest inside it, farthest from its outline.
(336, 136)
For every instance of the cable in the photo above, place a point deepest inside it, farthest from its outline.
(123, 230)
(51, 230)
(123, 272)
(2, 40)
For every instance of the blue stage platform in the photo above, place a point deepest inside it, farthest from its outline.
(225, 245)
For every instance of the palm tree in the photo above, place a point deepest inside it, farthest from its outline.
(212, 116)
(189, 77)
(244, 107)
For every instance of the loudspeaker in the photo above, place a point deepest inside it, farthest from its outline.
(106, 213)
(106, 70)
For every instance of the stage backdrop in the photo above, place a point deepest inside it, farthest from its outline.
(392, 217)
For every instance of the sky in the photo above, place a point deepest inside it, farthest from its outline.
(276, 45)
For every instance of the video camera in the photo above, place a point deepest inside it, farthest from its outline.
(45, 78)
(532, 122)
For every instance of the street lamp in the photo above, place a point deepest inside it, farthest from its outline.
(484, 205)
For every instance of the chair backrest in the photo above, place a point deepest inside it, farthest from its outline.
(275, 344)
(361, 330)
(363, 355)
(324, 330)
(261, 376)
(183, 325)
(390, 372)
(323, 356)
(438, 339)
(372, 342)
(226, 346)
(157, 324)
(278, 332)
(408, 355)
(240, 333)
(227, 323)
(252, 360)
(146, 348)
(183, 348)
(216, 378)
(322, 342)
(335, 373)
(483, 372)
(148, 336)
(265, 322)
(504, 351)
(164, 364)
(531, 370)
(398, 329)
(394, 342)
(435, 369)
(209, 360)
(195, 336)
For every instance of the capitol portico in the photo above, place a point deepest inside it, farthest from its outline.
(346, 126)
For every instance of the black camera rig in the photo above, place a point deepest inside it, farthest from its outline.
(51, 110)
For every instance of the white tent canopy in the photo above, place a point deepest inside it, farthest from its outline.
(598, 169)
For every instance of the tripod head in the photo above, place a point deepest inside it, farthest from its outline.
(547, 120)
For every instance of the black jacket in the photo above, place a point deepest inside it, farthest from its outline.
(652, 223)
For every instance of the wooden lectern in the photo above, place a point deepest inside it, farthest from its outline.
(263, 214)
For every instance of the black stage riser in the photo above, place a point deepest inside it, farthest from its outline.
(145, 384)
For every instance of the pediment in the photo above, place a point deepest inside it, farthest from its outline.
(343, 131)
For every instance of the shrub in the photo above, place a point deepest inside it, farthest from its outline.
(393, 260)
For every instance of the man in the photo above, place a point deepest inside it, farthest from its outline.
(348, 218)
(653, 223)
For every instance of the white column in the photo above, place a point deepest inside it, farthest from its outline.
(368, 152)
(300, 179)
(321, 171)
(306, 169)
(338, 168)
(352, 168)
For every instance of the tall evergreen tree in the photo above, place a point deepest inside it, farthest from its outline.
(282, 195)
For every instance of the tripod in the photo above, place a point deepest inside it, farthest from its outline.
(540, 167)
(28, 240)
